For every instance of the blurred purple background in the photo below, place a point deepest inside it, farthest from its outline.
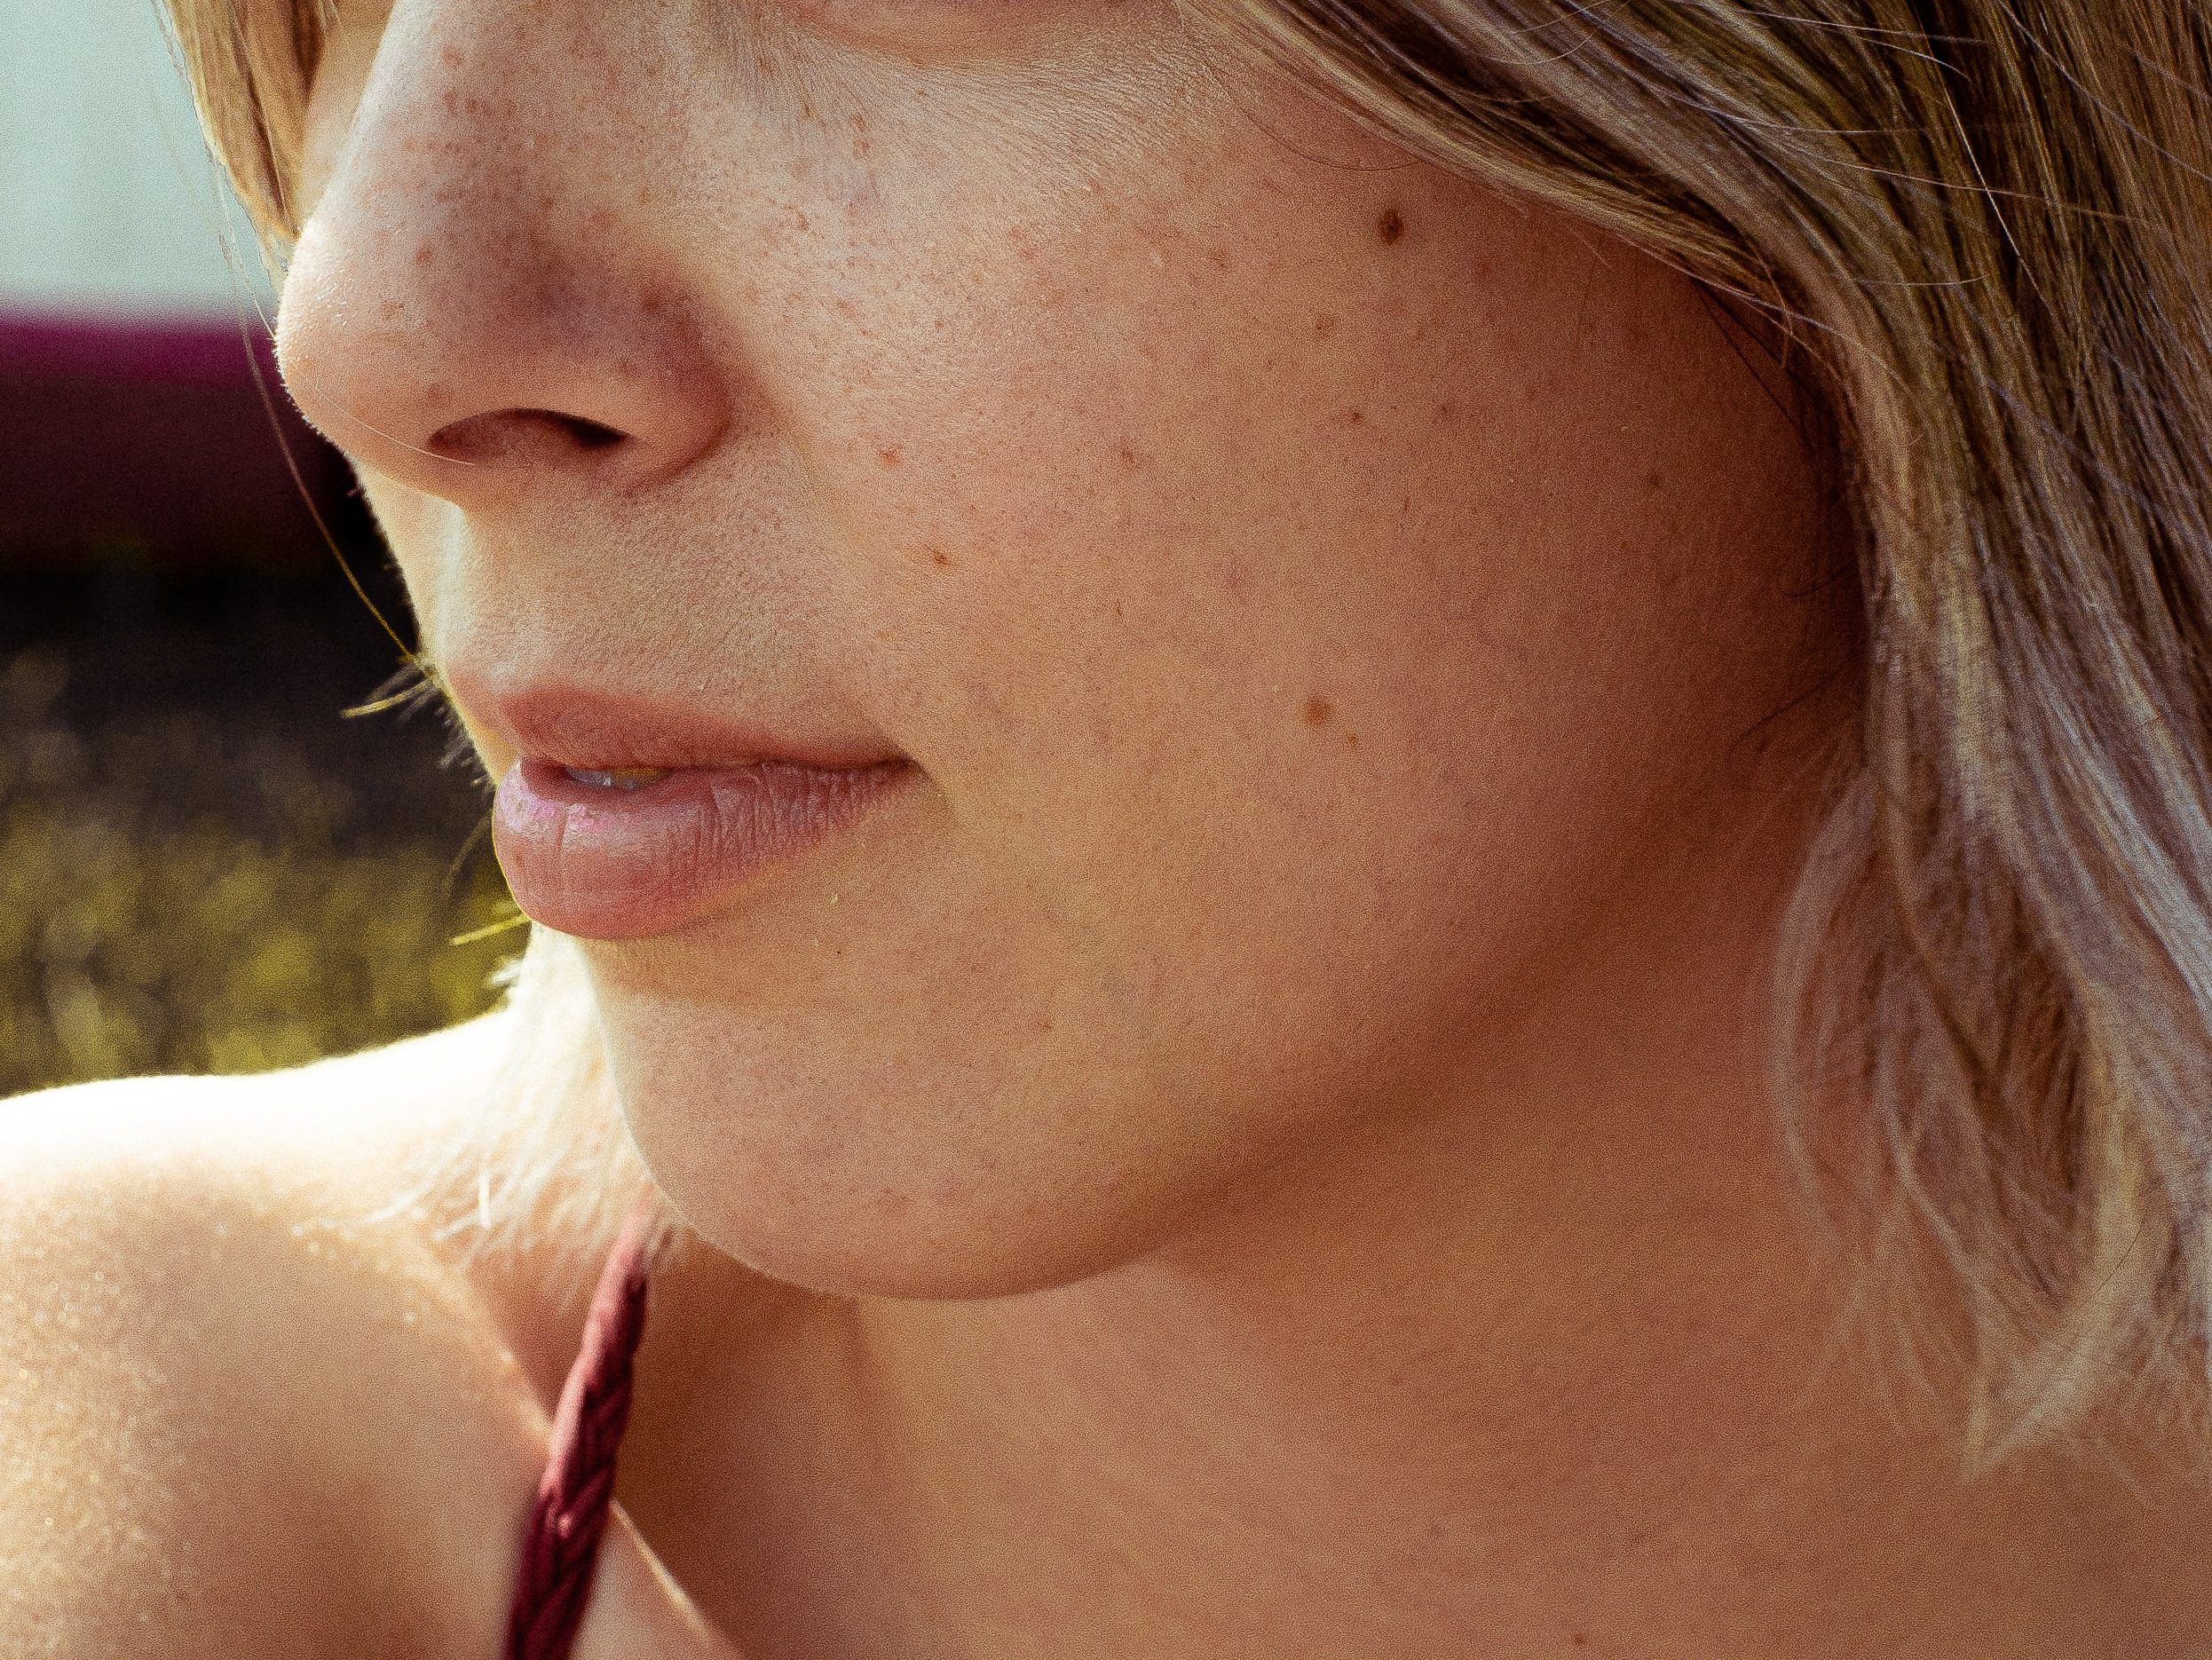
(165, 438)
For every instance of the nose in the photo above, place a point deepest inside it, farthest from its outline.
(479, 307)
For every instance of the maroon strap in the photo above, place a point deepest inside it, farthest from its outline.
(571, 1512)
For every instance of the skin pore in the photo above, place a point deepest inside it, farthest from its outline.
(1270, 1132)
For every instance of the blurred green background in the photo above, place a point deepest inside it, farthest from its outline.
(205, 866)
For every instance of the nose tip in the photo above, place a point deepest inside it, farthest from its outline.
(475, 408)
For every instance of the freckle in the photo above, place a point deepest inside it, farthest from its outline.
(1353, 417)
(937, 557)
(1654, 480)
(1127, 456)
(1351, 740)
(887, 453)
(1390, 228)
(1324, 324)
(806, 105)
(451, 100)
(860, 121)
(1447, 409)
(422, 254)
(859, 146)
(389, 310)
(1318, 709)
(1218, 257)
(1233, 579)
(799, 214)
(451, 58)
(473, 107)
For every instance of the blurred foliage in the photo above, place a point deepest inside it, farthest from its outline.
(226, 885)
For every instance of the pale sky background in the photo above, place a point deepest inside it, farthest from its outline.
(109, 206)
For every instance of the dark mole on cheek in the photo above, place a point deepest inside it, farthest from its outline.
(1319, 712)
(1390, 228)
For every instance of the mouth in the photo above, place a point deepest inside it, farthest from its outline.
(617, 778)
(626, 853)
(625, 817)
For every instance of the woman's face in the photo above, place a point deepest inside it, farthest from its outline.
(1321, 599)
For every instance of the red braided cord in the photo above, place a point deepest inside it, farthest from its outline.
(562, 1541)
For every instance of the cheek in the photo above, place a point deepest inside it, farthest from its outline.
(1325, 604)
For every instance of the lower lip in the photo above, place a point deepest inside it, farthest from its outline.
(607, 862)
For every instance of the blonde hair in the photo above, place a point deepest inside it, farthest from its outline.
(1977, 227)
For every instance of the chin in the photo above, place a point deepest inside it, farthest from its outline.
(854, 1177)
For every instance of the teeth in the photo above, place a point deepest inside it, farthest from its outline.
(617, 778)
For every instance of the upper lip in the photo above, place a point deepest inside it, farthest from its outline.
(568, 725)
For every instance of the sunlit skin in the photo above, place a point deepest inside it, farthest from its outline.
(1363, 646)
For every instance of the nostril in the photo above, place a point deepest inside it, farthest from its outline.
(591, 435)
(540, 436)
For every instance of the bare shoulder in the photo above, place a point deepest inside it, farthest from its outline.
(233, 1419)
